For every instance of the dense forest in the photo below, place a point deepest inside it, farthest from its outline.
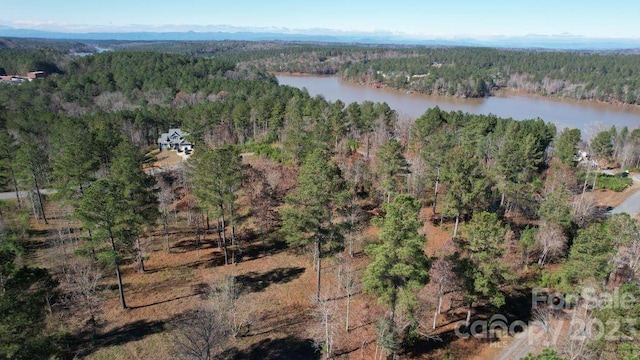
(610, 76)
(413, 230)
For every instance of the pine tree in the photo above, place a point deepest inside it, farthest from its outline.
(566, 146)
(481, 269)
(118, 207)
(308, 217)
(466, 184)
(75, 159)
(399, 264)
(217, 176)
(391, 165)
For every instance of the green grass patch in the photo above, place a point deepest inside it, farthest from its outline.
(616, 183)
(268, 150)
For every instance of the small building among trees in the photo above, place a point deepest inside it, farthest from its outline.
(174, 140)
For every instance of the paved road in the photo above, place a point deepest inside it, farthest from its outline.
(524, 343)
(23, 194)
(632, 204)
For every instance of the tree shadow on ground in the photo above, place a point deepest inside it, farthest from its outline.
(428, 345)
(291, 348)
(189, 245)
(255, 282)
(257, 249)
(291, 322)
(165, 301)
(83, 343)
(517, 309)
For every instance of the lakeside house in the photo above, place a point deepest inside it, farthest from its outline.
(174, 140)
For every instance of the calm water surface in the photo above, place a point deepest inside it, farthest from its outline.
(586, 116)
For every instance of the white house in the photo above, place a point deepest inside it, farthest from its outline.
(174, 140)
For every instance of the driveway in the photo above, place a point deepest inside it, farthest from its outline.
(632, 204)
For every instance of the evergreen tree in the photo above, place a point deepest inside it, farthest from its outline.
(391, 165)
(308, 217)
(138, 191)
(75, 159)
(602, 145)
(566, 146)
(23, 297)
(116, 208)
(217, 176)
(466, 184)
(103, 210)
(399, 265)
(482, 270)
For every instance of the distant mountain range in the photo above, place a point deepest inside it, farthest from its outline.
(324, 35)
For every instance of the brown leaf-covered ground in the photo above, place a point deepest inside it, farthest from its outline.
(278, 286)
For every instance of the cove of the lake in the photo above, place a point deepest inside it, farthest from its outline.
(586, 116)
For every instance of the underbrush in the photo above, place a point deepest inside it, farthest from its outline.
(265, 149)
(616, 183)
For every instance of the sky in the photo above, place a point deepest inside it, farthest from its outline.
(413, 18)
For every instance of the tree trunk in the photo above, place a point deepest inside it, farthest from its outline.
(468, 321)
(16, 189)
(586, 179)
(435, 193)
(234, 244)
(44, 216)
(224, 240)
(455, 229)
(36, 213)
(543, 256)
(118, 275)
(139, 256)
(165, 228)
(437, 312)
(318, 268)
(327, 341)
(204, 229)
(219, 233)
(368, 146)
(346, 327)
(394, 300)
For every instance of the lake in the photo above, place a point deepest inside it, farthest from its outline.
(586, 116)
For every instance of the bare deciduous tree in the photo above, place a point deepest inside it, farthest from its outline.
(237, 315)
(203, 332)
(577, 344)
(81, 282)
(442, 275)
(584, 210)
(552, 242)
(199, 334)
(326, 313)
(351, 285)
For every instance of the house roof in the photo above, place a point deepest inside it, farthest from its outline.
(174, 136)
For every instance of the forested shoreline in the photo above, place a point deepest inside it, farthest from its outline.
(609, 77)
(348, 192)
